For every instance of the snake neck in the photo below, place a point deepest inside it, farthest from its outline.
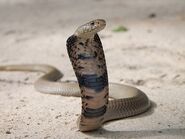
(88, 61)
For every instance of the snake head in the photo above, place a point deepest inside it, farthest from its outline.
(90, 29)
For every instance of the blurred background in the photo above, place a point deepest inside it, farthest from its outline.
(52, 14)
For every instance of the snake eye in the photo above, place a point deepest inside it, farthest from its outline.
(92, 23)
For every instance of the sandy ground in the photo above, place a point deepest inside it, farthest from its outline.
(150, 56)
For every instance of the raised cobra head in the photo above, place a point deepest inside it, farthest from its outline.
(89, 29)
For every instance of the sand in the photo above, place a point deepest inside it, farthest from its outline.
(149, 56)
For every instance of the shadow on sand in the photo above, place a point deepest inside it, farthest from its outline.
(180, 132)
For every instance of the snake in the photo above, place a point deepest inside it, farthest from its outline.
(101, 101)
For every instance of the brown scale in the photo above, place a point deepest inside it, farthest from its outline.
(89, 66)
(94, 99)
(89, 123)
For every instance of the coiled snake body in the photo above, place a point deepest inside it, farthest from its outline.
(87, 57)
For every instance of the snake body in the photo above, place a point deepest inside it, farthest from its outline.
(87, 57)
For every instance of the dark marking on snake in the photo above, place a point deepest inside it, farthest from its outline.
(85, 56)
(71, 40)
(93, 81)
(106, 95)
(86, 43)
(97, 39)
(90, 113)
(81, 43)
(87, 97)
(95, 54)
(80, 67)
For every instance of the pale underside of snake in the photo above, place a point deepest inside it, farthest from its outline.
(87, 57)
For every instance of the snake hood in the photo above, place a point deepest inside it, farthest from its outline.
(89, 29)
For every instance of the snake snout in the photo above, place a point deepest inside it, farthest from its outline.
(97, 25)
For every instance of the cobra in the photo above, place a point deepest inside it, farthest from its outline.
(87, 58)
